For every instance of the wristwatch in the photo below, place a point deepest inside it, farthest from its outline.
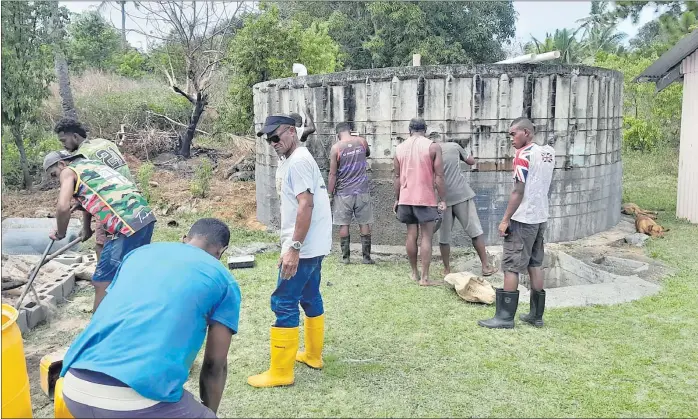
(296, 245)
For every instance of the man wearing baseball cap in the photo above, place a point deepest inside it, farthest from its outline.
(306, 238)
(112, 199)
(73, 136)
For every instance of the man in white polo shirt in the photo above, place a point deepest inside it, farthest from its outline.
(306, 238)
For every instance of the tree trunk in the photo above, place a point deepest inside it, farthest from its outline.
(61, 66)
(123, 25)
(19, 142)
(64, 89)
(185, 147)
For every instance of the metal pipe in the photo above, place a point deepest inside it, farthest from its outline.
(33, 276)
(531, 58)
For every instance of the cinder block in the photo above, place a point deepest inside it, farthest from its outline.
(67, 282)
(53, 289)
(35, 313)
(68, 259)
(22, 321)
(92, 258)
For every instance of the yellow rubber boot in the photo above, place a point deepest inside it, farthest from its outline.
(284, 344)
(60, 410)
(314, 341)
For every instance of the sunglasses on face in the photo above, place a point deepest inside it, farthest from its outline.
(275, 138)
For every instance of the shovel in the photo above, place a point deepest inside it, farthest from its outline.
(44, 260)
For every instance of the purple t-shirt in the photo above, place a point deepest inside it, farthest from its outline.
(351, 171)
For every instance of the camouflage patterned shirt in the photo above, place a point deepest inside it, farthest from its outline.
(110, 197)
(106, 152)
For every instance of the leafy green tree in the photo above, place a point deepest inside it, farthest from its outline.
(387, 33)
(26, 69)
(651, 119)
(92, 43)
(266, 48)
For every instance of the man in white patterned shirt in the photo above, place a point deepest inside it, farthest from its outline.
(523, 227)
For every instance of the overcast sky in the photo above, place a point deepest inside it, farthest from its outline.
(535, 18)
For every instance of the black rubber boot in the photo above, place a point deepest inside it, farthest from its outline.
(507, 303)
(344, 242)
(366, 249)
(535, 316)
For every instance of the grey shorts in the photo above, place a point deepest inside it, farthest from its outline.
(523, 247)
(352, 206)
(466, 214)
(415, 214)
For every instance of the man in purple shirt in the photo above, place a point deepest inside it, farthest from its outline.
(348, 180)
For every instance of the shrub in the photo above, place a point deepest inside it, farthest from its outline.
(105, 101)
(201, 183)
(145, 174)
(639, 134)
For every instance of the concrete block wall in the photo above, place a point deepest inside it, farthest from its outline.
(576, 109)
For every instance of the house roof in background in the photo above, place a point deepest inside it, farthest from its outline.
(667, 68)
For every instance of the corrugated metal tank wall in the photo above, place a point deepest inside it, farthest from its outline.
(686, 196)
(577, 109)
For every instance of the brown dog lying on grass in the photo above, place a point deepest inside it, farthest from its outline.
(633, 209)
(646, 225)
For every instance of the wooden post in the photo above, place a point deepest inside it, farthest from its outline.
(416, 60)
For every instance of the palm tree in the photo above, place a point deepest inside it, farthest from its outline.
(600, 32)
(122, 6)
(562, 40)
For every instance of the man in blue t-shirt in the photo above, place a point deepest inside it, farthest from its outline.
(134, 357)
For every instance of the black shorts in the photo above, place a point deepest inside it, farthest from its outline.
(523, 247)
(413, 214)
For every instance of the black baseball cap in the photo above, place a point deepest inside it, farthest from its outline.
(273, 122)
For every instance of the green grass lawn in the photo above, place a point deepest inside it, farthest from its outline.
(394, 349)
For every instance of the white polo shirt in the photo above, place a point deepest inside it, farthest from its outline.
(299, 173)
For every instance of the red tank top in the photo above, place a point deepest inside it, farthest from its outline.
(416, 172)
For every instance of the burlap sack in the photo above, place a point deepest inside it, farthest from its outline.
(471, 287)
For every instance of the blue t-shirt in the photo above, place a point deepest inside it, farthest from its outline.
(152, 323)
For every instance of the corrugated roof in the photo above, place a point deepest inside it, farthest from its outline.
(670, 59)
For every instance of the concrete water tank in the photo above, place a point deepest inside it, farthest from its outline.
(577, 109)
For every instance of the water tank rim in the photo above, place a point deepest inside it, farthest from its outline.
(438, 71)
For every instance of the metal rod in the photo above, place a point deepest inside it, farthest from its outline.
(61, 251)
(33, 275)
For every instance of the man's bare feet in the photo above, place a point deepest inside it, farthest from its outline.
(488, 270)
(415, 276)
(428, 283)
(447, 271)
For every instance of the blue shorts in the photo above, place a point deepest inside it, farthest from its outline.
(115, 250)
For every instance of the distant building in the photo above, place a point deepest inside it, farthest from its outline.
(681, 64)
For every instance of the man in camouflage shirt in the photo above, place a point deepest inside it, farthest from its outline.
(73, 136)
(112, 199)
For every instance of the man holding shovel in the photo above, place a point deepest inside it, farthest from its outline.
(73, 136)
(108, 196)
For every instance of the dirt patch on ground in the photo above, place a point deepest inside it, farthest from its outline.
(232, 201)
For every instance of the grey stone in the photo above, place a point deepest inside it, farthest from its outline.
(240, 262)
(636, 239)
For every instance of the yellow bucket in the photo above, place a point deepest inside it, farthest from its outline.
(16, 401)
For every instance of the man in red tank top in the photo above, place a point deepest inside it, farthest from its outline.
(418, 167)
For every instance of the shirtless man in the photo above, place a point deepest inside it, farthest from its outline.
(349, 181)
(418, 167)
